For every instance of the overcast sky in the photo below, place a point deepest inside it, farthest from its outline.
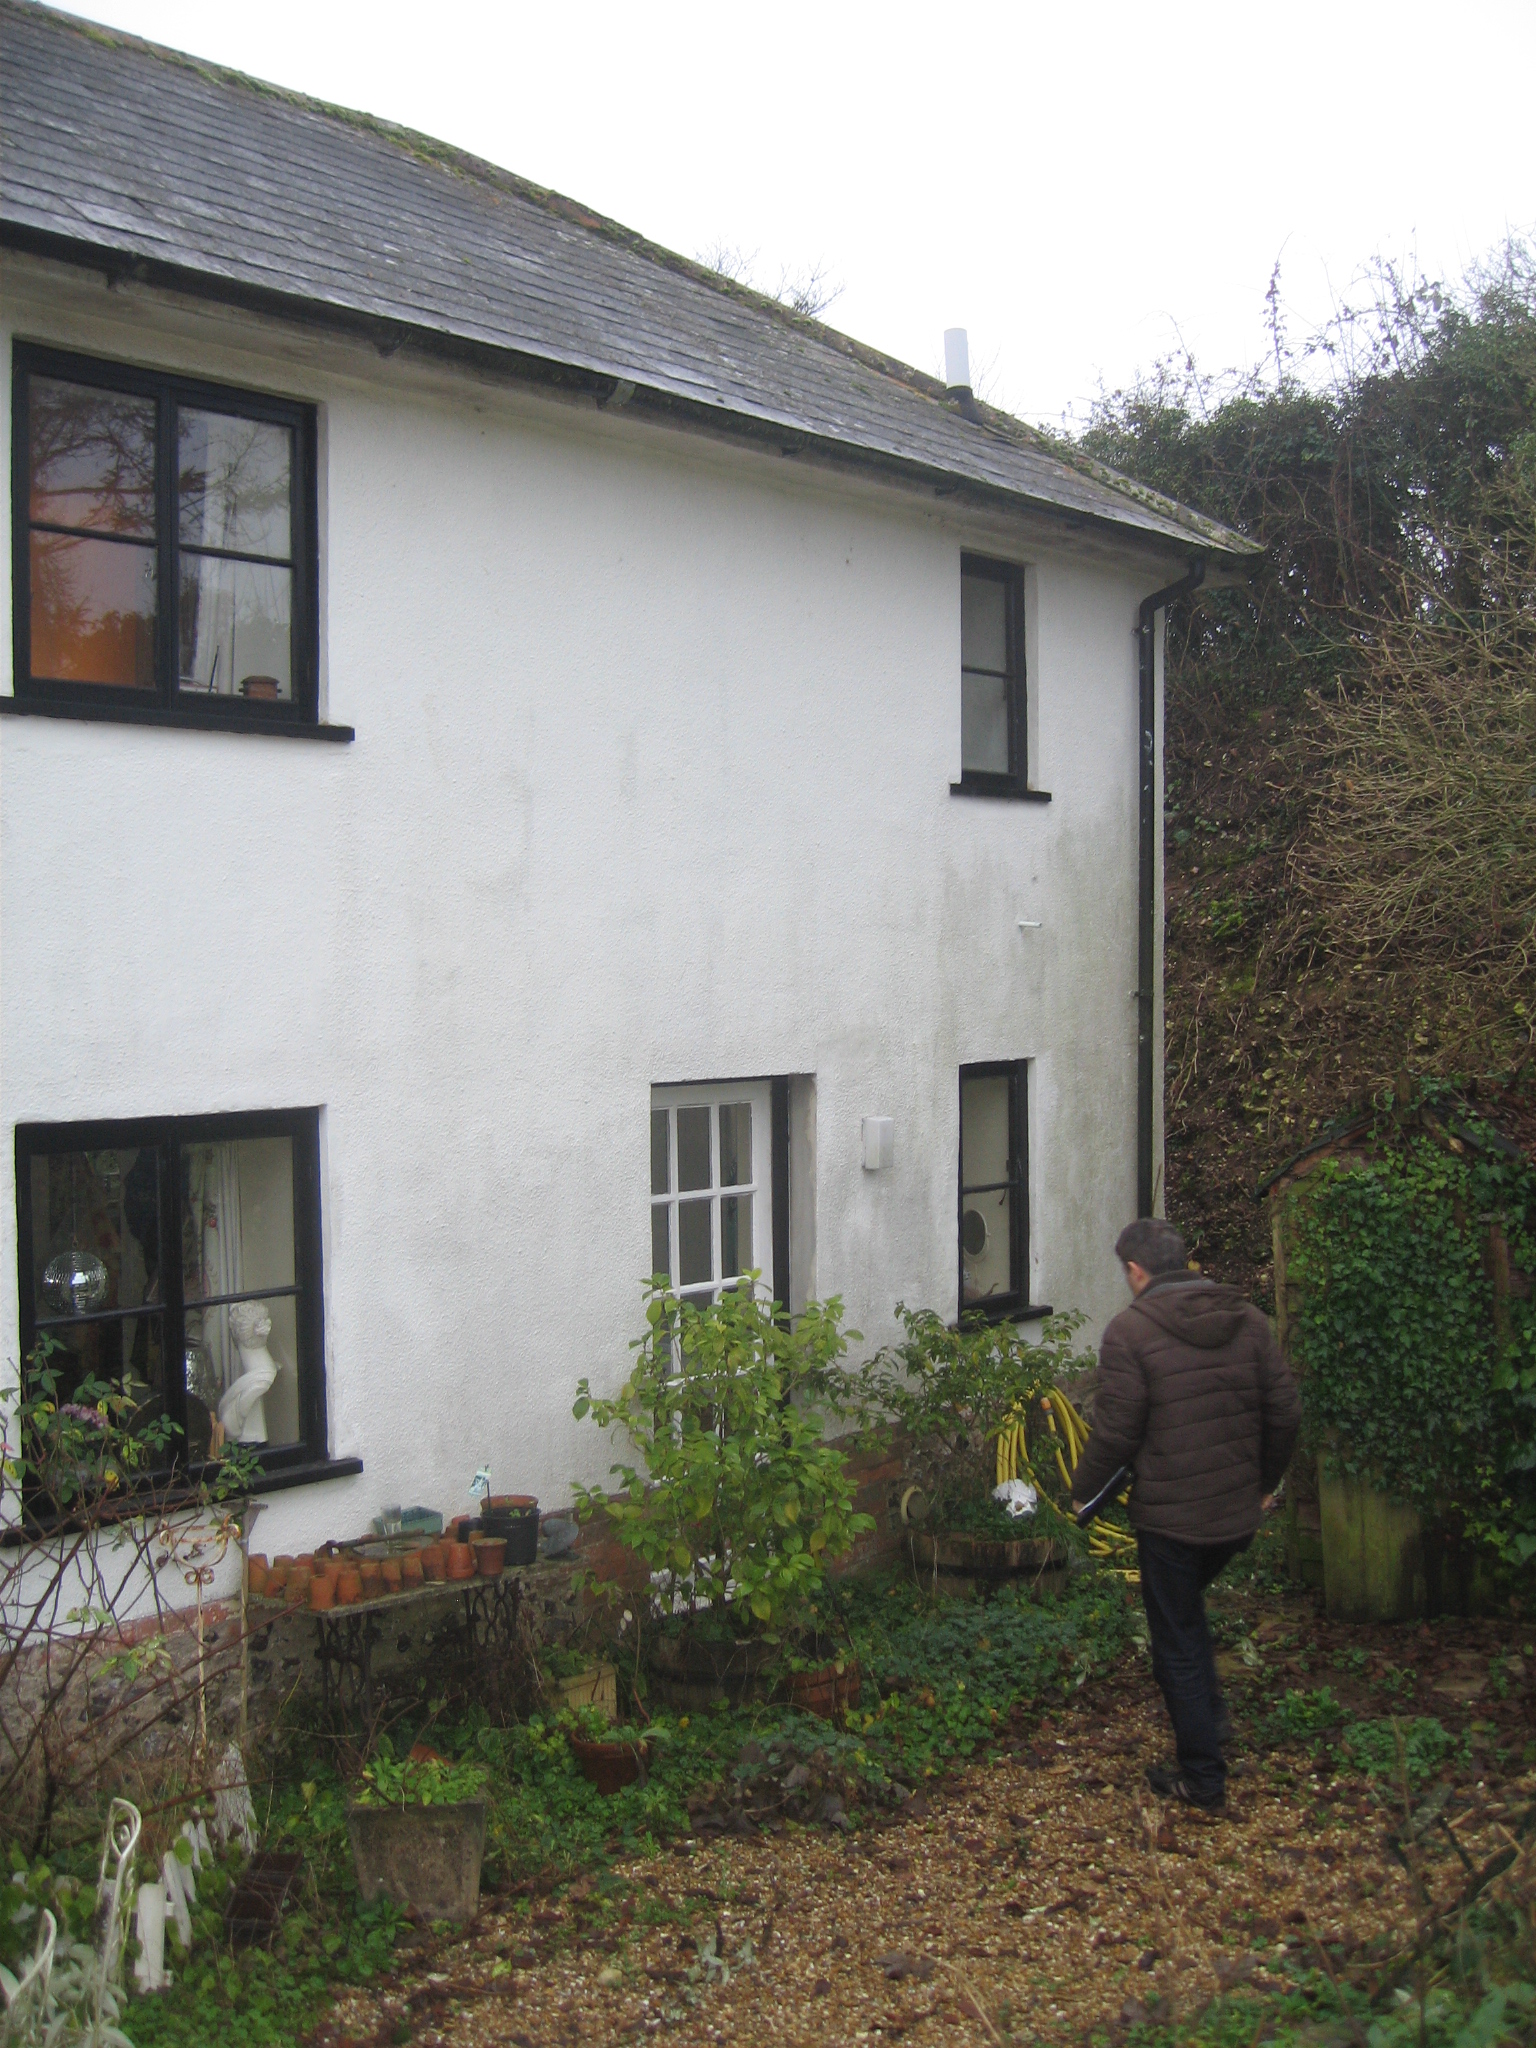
(1084, 188)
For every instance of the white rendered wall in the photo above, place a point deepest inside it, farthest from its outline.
(650, 784)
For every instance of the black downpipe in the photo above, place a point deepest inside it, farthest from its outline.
(1146, 964)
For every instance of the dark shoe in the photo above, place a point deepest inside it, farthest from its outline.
(1167, 1784)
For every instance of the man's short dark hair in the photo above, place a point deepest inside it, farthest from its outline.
(1153, 1245)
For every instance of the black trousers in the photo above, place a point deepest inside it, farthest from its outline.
(1174, 1577)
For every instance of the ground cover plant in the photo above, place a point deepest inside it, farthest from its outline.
(1040, 1896)
(946, 1681)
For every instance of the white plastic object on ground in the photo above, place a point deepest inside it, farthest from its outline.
(150, 1971)
(1017, 1496)
(180, 1895)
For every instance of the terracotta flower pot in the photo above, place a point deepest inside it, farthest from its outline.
(283, 1563)
(461, 1561)
(610, 1766)
(411, 1572)
(373, 1578)
(256, 1576)
(434, 1561)
(349, 1586)
(296, 1593)
(490, 1556)
(391, 1574)
(322, 1592)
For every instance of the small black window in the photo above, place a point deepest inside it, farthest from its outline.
(164, 544)
(994, 1189)
(992, 705)
(180, 1257)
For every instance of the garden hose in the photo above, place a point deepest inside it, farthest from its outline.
(1069, 1438)
(1109, 1544)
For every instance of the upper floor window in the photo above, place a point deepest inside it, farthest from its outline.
(992, 705)
(165, 550)
(180, 1258)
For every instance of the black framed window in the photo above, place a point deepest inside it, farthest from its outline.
(181, 1258)
(994, 1189)
(992, 702)
(164, 545)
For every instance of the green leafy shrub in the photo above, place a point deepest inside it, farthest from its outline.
(1302, 1715)
(737, 1501)
(1392, 1748)
(1414, 1376)
(1395, 1335)
(388, 1780)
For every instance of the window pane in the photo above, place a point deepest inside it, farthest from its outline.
(735, 1144)
(234, 482)
(986, 1246)
(735, 1234)
(692, 1239)
(95, 1230)
(984, 724)
(93, 611)
(693, 1148)
(251, 1380)
(661, 1256)
(237, 1217)
(92, 457)
(129, 1350)
(236, 628)
(983, 623)
(984, 1129)
(661, 1157)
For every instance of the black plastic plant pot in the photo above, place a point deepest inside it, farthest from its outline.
(518, 1527)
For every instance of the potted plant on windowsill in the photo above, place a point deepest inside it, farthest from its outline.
(974, 1400)
(417, 1828)
(735, 1500)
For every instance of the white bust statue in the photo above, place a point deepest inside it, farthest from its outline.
(243, 1410)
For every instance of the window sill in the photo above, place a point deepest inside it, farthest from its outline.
(1030, 1312)
(125, 1506)
(235, 720)
(312, 1474)
(1011, 792)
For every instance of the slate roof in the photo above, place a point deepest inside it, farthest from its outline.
(116, 151)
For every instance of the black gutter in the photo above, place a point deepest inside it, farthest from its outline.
(1146, 903)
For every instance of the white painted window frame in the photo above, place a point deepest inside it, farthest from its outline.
(711, 1095)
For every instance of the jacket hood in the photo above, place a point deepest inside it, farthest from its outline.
(1196, 1311)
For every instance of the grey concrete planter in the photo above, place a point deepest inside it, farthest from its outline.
(424, 1857)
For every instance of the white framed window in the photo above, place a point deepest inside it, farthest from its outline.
(711, 1186)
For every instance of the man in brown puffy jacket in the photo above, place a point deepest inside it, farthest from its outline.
(1194, 1396)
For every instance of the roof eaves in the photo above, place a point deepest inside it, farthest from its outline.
(1163, 521)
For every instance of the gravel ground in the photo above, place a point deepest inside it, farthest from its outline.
(1044, 1894)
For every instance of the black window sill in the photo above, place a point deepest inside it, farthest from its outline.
(312, 1474)
(134, 1502)
(203, 719)
(986, 1312)
(1012, 792)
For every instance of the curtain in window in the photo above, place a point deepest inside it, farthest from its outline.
(213, 1197)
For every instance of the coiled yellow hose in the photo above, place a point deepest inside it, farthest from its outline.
(1069, 1438)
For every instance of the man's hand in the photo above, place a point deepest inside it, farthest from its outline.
(1077, 1507)
(1268, 1502)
